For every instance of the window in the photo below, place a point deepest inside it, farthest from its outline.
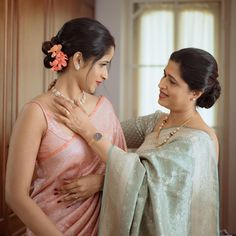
(158, 29)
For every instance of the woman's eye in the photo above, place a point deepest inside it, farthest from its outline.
(172, 81)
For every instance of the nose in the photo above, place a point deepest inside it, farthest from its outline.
(105, 75)
(162, 82)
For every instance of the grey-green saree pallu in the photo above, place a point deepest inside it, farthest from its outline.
(167, 191)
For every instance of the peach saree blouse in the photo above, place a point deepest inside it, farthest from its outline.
(61, 157)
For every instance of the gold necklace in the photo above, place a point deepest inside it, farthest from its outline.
(57, 93)
(172, 133)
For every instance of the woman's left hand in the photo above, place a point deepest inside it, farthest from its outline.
(73, 116)
(75, 190)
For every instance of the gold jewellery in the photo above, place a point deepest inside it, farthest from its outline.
(172, 133)
(57, 93)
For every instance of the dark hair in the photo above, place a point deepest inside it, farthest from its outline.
(84, 35)
(199, 70)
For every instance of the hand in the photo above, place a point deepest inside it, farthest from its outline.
(75, 190)
(74, 117)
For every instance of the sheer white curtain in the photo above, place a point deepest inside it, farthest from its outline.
(159, 29)
(155, 29)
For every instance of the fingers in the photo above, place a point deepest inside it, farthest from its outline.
(73, 197)
(80, 106)
(64, 103)
(62, 118)
(70, 186)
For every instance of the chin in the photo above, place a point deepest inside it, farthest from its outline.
(91, 90)
(163, 104)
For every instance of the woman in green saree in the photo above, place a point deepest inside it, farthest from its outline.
(169, 186)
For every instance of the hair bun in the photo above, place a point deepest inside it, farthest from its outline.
(211, 94)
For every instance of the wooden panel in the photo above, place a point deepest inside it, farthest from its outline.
(24, 25)
(2, 85)
(30, 65)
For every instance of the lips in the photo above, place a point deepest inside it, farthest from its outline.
(98, 82)
(162, 95)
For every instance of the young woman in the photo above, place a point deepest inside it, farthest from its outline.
(169, 186)
(81, 53)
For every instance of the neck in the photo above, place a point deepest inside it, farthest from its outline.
(177, 118)
(68, 87)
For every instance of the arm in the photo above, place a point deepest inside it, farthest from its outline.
(136, 129)
(25, 141)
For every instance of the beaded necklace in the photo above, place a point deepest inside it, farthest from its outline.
(172, 133)
(57, 93)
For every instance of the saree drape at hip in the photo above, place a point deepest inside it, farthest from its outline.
(167, 191)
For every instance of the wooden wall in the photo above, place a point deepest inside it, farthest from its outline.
(24, 25)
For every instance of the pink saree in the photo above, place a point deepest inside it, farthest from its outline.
(60, 157)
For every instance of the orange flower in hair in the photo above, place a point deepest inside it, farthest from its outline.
(60, 58)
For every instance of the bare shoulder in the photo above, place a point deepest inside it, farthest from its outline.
(31, 116)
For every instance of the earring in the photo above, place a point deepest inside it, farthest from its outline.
(77, 66)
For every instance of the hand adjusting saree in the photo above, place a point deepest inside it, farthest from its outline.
(167, 191)
(62, 156)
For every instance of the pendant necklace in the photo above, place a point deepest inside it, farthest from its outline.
(57, 93)
(172, 133)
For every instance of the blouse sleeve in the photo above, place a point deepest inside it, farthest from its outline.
(136, 129)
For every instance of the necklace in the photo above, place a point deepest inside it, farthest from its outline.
(172, 133)
(57, 93)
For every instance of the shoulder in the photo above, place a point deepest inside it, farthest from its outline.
(105, 100)
(31, 115)
(153, 116)
(107, 104)
(200, 125)
(198, 141)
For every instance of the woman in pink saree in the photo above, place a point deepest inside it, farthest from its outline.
(80, 53)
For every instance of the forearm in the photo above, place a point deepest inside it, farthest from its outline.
(32, 216)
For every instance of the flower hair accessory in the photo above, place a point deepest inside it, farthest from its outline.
(60, 57)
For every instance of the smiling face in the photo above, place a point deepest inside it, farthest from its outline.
(174, 91)
(95, 74)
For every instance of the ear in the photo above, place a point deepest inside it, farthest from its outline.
(77, 59)
(195, 95)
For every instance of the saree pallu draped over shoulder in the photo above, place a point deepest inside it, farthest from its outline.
(167, 191)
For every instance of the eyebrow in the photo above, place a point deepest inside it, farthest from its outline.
(106, 61)
(170, 75)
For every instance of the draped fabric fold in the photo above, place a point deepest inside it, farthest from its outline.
(165, 191)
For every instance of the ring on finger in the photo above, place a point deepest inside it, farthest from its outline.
(67, 112)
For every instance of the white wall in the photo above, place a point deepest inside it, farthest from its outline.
(110, 13)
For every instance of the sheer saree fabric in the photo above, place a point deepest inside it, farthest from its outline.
(62, 156)
(167, 191)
